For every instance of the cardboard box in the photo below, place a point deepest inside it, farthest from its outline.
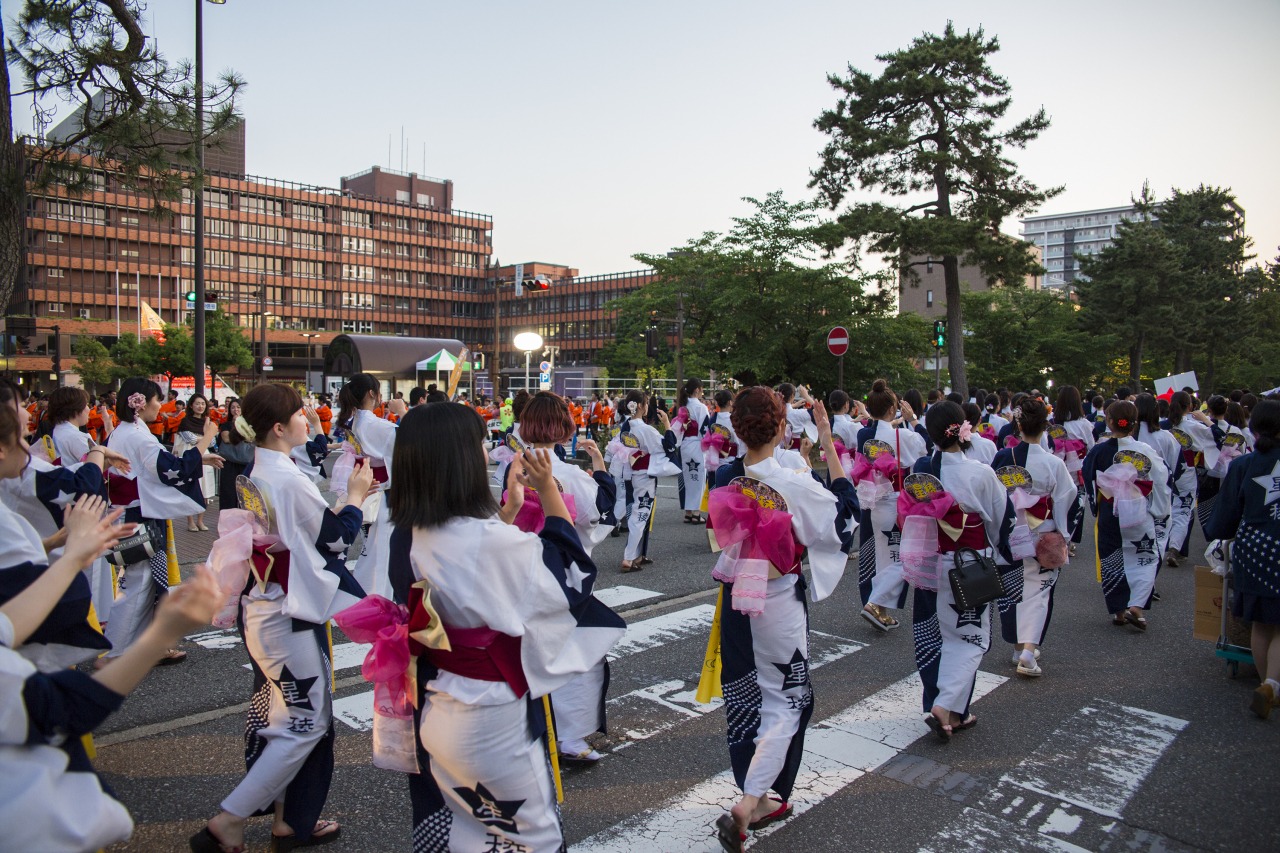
(1208, 615)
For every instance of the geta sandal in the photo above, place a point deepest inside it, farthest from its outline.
(1139, 622)
(205, 841)
(319, 837)
(171, 657)
(967, 723)
(782, 812)
(935, 725)
(728, 835)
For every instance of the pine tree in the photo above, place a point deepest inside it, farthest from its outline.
(926, 128)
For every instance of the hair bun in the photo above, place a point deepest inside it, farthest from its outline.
(880, 385)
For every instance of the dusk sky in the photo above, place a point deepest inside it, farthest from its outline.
(591, 131)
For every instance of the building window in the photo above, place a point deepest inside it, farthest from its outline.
(357, 245)
(259, 264)
(263, 206)
(402, 302)
(356, 272)
(218, 199)
(308, 269)
(128, 253)
(402, 195)
(402, 277)
(53, 238)
(425, 200)
(402, 224)
(357, 219)
(263, 233)
(219, 228)
(128, 220)
(308, 240)
(467, 260)
(928, 299)
(76, 212)
(307, 297)
(55, 273)
(56, 308)
(402, 250)
(309, 212)
(357, 300)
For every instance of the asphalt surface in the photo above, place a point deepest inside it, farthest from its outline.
(1130, 741)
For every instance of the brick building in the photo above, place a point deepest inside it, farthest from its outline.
(927, 296)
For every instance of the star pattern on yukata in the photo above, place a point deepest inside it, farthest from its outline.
(966, 617)
(488, 809)
(795, 673)
(1270, 484)
(64, 497)
(574, 576)
(1145, 545)
(337, 546)
(645, 502)
(693, 466)
(172, 474)
(295, 690)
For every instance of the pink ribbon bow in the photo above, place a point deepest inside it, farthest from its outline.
(866, 469)
(1064, 447)
(1012, 441)
(531, 517)
(385, 625)
(750, 535)
(681, 418)
(229, 560)
(842, 452)
(936, 507)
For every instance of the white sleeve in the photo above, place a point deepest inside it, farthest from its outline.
(1063, 495)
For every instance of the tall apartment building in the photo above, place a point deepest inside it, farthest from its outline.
(1063, 237)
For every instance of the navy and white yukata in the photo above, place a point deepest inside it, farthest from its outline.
(1027, 605)
(693, 473)
(302, 581)
(1248, 511)
(1170, 451)
(880, 580)
(1186, 485)
(950, 642)
(374, 438)
(1128, 561)
(72, 445)
(1079, 429)
(764, 675)
(159, 487)
(645, 463)
(522, 621)
(50, 798)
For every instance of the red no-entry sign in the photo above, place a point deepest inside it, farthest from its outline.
(838, 340)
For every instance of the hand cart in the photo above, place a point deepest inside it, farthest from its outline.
(1233, 654)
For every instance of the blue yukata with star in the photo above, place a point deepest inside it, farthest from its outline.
(1248, 510)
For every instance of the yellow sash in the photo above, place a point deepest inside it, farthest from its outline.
(709, 680)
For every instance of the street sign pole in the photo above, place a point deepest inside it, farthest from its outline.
(937, 367)
(838, 345)
(840, 373)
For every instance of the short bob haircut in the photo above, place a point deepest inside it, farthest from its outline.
(439, 467)
(267, 405)
(546, 420)
(758, 413)
(65, 403)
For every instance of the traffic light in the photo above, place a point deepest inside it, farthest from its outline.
(537, 283)
(191, 296)
(651, 342)
(939, 333)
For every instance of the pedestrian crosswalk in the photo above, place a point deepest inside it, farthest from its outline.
(1069, 793)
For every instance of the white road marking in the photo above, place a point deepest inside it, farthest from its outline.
(1093, 764)
(227, 639)
(619, 596)
(838, 751)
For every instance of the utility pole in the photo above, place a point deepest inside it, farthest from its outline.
(680, 338)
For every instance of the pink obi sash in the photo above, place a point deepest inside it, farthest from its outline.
(531, 517)
(754, 539)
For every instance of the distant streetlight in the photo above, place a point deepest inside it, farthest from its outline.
(309, 335)
(197, 327)
(527, 341)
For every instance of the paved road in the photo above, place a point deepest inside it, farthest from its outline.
(1129, 742)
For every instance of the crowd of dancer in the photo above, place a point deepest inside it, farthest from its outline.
(489, 647)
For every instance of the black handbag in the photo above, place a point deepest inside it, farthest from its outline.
(147, 541)
(974, 580)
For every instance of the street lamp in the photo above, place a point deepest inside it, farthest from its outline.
(197, 329)
(309, 336)
(527, 341)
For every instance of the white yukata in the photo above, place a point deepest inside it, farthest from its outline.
(1170, 452)
(159, 487)
(289, 733)
(1127, 557)
(722, 424)
(579, 705)
(522, 622)
(693, 474)
(800, 425)
(1027, 605)
(950, 642)
(980, 449)
(377, 440)
(880, 579)
(1185, 483)
(764, 677)
(648, 462)
(1079, 429)
(50, 798)
(72, 444)
(845, 428)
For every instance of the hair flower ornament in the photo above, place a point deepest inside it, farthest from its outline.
(137, 402)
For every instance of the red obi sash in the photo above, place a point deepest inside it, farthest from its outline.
(122, 491)
(1041, 509)
(972, 533)
(271, 566)
(640, 462)
(380, 474)
(479, 653)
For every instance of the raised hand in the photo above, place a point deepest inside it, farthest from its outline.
(360, 483)
(89, 533)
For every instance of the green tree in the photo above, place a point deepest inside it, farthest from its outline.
(129, 358)
(1207, 224)
(225, 343)
(1128, 296)
(175, 356)
(1020, 338)
(924, 131)
(1250, 355)
(136, 109)
(93, 361)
